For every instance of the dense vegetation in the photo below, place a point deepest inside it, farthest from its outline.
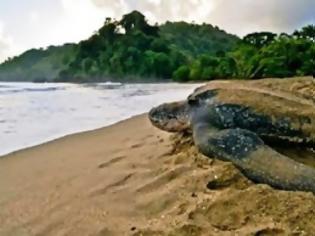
(38, 64)
(257, 55)
(131, 49)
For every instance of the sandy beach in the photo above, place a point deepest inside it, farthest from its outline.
(132, 179)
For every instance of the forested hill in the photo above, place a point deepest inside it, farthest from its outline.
(131, 50)
(125, 49)
(194, 40)
(38, 64)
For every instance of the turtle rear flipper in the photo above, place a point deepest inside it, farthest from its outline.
(257, 161)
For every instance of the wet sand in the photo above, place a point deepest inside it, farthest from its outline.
(132, 179)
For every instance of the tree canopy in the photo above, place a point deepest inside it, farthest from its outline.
(260, 55)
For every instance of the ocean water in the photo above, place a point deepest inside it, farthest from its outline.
(32, 114)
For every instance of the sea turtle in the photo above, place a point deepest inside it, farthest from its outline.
(237, 121)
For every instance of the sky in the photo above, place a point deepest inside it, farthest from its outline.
(26, 24)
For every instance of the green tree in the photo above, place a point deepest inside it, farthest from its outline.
(245, 57)
(259, 39)
(136, 21)
(109, 31)
(181, 74)
(307, 32)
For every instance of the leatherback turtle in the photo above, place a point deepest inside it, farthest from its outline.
(237, 121)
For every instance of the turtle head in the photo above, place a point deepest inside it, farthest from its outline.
(171, 117)
(179, 116)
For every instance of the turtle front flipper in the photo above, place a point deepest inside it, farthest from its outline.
(257, 161)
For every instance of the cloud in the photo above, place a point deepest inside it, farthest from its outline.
(6, 44)
(78, 20)
(51, 23)
(244, 16)
(161, 10)
(34, 17)
(236, 16)
(74, 20)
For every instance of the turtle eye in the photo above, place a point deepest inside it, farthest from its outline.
(192, 100)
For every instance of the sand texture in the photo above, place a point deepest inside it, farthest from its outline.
(132, 179)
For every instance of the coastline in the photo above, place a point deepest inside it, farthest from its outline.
(69, 109)
(130, 179)
(66, 136)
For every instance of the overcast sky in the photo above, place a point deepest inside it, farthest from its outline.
(26, 24)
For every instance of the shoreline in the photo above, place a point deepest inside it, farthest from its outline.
(70, 109)
(133, 179)
(12, 153)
